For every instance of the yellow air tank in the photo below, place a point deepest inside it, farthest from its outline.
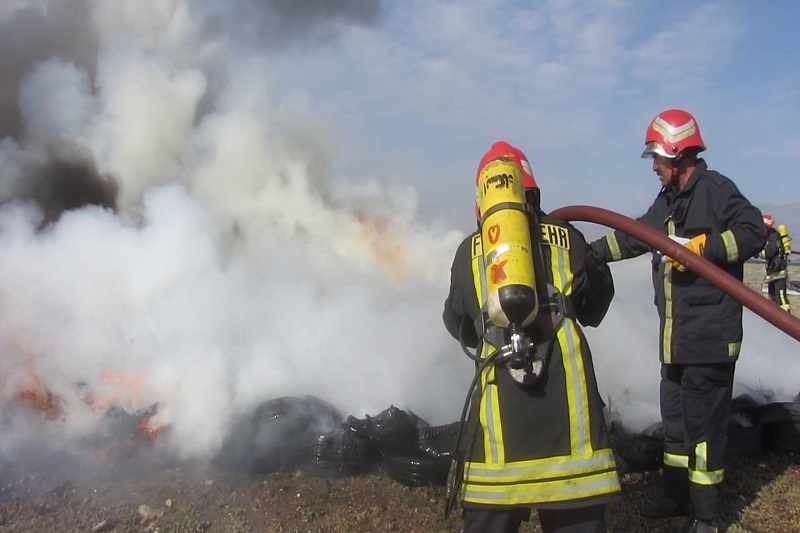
(506, 243)
(785, 239)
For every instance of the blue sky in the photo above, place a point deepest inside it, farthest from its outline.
(411, 93)
(417, 98)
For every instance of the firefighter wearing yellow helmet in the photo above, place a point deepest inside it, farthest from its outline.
(535, 436)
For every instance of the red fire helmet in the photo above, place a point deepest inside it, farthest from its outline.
(671, 133)
(504, 149)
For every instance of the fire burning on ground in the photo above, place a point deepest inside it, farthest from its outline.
(117, 423)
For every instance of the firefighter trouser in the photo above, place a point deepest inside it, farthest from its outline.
(490, 521)
(777, 293)
(582, 520)
(579, 520)
(695, 406)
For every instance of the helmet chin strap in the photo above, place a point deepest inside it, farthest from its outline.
(675, 164)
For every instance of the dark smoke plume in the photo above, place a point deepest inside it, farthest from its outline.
(66, 180)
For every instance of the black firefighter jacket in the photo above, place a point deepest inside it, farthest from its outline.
(775, 254)
(544, 445)
(699, 323)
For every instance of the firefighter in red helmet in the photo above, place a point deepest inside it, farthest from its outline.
(775, 254)
(534, 435)
(700, 325)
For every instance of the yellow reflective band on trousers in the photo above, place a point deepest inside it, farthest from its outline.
(731, 248)
(700, 474)
(666, 331)
(583, 473)
(676, 460)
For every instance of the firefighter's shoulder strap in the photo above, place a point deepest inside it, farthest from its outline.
(550, 297)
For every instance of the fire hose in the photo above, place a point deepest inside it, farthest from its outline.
(765, 308)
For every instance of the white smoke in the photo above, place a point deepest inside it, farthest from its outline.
(625, 350)
(236, 267)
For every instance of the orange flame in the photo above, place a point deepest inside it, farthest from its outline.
(387, 250)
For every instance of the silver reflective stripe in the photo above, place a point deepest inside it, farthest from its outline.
(666, 334)
(734, 348)
(486, 349)
(551, 467)
(706, 478)
(679, 461)
(482, 270)
(700, 474)
(491, 424)
(579, 406)
(545, 490)
(701, 456)
(568, 337)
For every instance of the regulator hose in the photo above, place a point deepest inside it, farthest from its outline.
(455, 476)
(765, 308)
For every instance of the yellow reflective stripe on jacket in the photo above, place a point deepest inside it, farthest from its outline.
(666, 334)
(545, 468)
(580, 434)
(478, 270)
(543, 491)
(490, 413)
(479, 279)
(700, 474)
(731, 248)
(613, 246)
(570, 344)
(734, 348)
(490, 418)
(583, 472)
(676, 460)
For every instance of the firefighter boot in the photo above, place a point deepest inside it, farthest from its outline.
(676, 496)
(698, 526)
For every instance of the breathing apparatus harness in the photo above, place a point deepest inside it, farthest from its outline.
(525, 358)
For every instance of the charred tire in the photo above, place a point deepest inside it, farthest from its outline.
(277, 435)
(780, 426)
(342, 453)
(744, 440)
(635, 452)
(438, 441)
(417, 471)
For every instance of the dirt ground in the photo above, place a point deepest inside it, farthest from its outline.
(761, 494)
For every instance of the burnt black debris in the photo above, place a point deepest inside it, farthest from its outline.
(309, 434)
